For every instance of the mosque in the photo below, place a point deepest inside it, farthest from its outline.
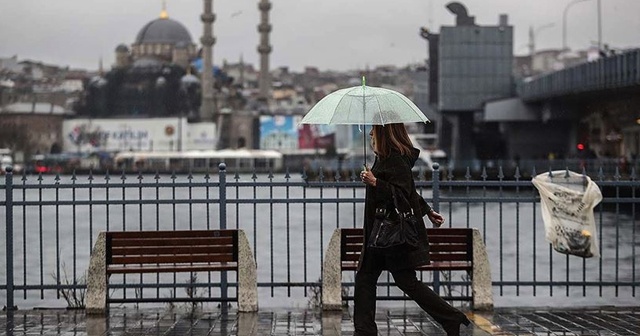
(152, 78)
(159, 94)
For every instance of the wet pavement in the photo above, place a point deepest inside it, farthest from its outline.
(391, 321)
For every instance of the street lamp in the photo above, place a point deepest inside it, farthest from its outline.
(564, 22)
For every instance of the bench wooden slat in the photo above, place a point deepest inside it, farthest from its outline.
(449, 257)
(434, 266)
(170, 250)
(352, 231)
(447, 231)
(353, 239)
(448, 247)
(432, 256)
(172, 259)
(352, 248)
(351, 256)
(447, 266)
(177, 269)
(448, 239)
(171, 234)
(172, 242)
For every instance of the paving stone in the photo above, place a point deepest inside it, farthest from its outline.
(391, 322)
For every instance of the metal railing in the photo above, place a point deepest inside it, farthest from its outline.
(51, 223)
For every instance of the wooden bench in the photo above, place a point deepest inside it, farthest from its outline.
(137, 252)
(451, 249)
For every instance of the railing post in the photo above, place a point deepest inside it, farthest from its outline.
(223, 225)
(435, 189)
(9, 236)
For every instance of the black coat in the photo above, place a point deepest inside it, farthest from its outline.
(395, 171)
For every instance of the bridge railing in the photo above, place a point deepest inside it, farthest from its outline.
(51, 222)
(611, 72)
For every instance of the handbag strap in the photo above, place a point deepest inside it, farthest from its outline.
(397, 194)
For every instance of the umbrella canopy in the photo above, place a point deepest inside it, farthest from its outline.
(364, 105)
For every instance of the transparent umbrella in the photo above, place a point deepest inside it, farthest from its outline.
(364, 105)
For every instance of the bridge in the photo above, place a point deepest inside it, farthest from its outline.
(613, 73)
(587, 111)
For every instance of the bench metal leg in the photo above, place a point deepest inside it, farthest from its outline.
(247, 276)
(332, 275)
(481, 281)
(97, 278)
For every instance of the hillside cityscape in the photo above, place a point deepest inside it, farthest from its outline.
(164, 106)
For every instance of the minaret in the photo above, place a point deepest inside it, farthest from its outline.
(264, 49)
(207, 108)
(241, 70)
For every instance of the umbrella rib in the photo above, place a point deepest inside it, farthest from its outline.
(412, 109)
(380, 111)
(338, 104)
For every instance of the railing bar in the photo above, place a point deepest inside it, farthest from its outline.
(533, 230)
(140, 197)
(75, 236)
(304, 238)
(633, 236)
(41, 238)
(505, 200)
(173, 216)
(271, 258)
(321, 221)
(157, 189)
(190, 189)
(24, 237)
(518, 237)
(57, 238)
(630, 284)
(567, 273)
(550, 250)
(617, 216)
(501, 223)
(255, 221)
(600, 234)
(90, 213)
(123, 178)
(287, 192)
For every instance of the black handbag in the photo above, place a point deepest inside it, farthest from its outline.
(395, 231)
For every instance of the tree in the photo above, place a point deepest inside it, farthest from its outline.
(15, 136)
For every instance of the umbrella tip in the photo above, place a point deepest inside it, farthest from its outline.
(364, 81)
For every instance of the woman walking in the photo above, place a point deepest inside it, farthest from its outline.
(395, 156)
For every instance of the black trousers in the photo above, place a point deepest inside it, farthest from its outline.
(364, 311)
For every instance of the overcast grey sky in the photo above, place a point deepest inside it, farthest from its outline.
(329, 34)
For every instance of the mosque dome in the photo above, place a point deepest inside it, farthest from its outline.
(122, 48)
(163, 30)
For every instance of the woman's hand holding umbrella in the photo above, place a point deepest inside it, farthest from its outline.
(367, 177)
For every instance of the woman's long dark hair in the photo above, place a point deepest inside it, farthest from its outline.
(391, 137)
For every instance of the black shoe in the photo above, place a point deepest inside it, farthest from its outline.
(453, 328)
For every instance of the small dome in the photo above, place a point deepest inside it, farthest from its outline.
(163, 30)
(122, 48)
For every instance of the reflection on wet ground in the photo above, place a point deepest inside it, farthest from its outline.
(391, 321)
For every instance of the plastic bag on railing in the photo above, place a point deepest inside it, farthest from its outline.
(567, 200)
